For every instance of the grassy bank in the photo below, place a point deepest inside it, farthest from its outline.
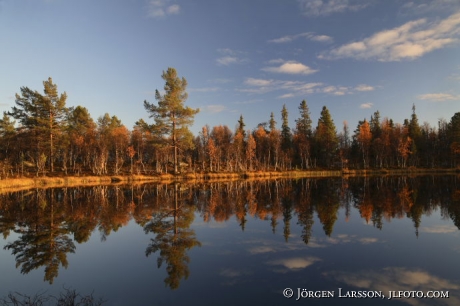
(74, 181)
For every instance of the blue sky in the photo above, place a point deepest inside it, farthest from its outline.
(239, 56)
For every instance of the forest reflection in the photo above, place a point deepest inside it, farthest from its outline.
(49, 222)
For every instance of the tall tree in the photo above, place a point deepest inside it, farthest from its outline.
(364, 137)
(326, 138)
(286, 137)
(302, 135)
(240, 127)
(171, 117)
(41, 117)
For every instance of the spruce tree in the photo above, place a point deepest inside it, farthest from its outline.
(286, 137)
(303, 124)
(326, 138)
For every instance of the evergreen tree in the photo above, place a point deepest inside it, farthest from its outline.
(302, 135)
(240, 127)
(303, 124)
(286, 137)
(172, 118)
(326, 138)
(42, 118)
(272, 122)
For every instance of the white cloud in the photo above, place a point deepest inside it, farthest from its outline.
(328, 7)
(307, 35)
(160, 8)
(294, 263)
(291, 67)
(336, 91)
(258, 82)
(364, 87)
(322, 38)
(261, 250)
(227, 60)
(366, 105)
(438, 97)
(368, 240)
(295, 88)
(298, 88)
(407, 42)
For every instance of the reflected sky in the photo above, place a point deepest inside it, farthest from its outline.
(398, 246)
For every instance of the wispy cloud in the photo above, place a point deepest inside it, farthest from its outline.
(438, 97)
(328, 7)
(214, 108)
(307, 35)
(291, 67)
(258, 82)
(298, 88)
(424, 6)
(204, 89)
(336, 91)
(230, 57)
(366, 105)
(407, 42)
(440, 229)
(161, 8)
(261, 86)
(285, 96)
(364, 87)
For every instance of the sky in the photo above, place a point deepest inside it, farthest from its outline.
(239, 57)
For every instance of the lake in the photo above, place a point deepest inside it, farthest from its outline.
(349, 241)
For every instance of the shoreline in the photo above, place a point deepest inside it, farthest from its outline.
(10, 184)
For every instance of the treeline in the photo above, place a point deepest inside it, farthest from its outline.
(41, 135)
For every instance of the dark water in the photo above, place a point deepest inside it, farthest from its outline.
(238, 243)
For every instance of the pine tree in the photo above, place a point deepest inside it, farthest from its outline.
(172, 118)
(42, 118)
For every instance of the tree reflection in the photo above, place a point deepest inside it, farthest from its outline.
(43, 240)
(173, 238)
(50, 222)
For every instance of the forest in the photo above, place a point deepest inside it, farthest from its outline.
(41, 136)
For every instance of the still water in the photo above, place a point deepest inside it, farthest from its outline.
(323, 241)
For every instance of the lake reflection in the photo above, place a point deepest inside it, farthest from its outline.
(236, 243)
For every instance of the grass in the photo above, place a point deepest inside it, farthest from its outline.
(15, 184)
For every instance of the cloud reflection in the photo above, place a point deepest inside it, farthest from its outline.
(294, 264)
(439, 229)
(398, 278)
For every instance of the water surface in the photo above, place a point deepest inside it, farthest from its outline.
(236, 243)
